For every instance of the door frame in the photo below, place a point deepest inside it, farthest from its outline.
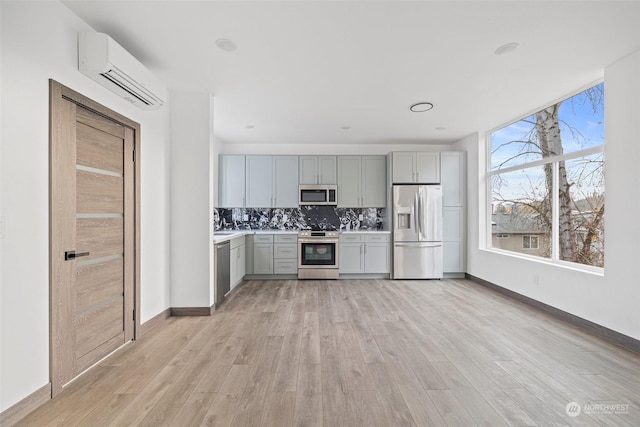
(58, 95)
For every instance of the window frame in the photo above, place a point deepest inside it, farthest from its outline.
(555, 160)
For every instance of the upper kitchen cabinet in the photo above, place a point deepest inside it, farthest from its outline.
(271, 181)
(453, 165)
(259, 176)
(285, 183)
(231, 181)
(318, 170)
(362, 181)
(415, 167)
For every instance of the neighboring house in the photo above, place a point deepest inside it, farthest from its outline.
(519, 232)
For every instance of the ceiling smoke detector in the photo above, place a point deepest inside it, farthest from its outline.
(226, 45)
(421, 107)
(507, 48)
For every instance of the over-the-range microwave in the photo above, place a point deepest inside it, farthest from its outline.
(318, 195)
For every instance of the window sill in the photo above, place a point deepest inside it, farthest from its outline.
(596, 271)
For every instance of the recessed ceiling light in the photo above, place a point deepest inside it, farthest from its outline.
(507, 48)
(421, 107)
(226, 45)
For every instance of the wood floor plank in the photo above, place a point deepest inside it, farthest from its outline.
(251, 405)
(310, 345)
(278, 410)
(286, 375)
(308, 405)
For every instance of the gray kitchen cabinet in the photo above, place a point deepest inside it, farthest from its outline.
(367, 253)
(263, 254)
(285, 181)
(318, 170)
(362, 181)
(285, 254)
(351, 260)
(422, 167)
(259, 181)
(231, 181)
(274, 254)
(271, 181)
(374, 182)
(349, 176)
(237, 261)
(453, 239)
(453, 178)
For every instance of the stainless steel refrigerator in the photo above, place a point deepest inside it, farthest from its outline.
(417, 232)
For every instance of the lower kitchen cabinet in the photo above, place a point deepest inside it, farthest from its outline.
(285, 254)
(274, 254)
(237, 261)
(263, 254)
(453, 239)
(365, 253)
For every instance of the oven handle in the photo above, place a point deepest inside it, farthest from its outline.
(303, 240)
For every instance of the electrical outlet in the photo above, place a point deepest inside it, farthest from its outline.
(245, 217)
(360, 217)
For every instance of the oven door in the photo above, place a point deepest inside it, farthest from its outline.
(316, 253)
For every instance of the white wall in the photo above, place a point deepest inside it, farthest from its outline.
(38, 42)
(191, 200)
(337, 149)
(612, 300)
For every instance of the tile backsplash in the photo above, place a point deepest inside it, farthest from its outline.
(304, 217)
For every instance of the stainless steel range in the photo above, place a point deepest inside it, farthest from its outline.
(317, 254)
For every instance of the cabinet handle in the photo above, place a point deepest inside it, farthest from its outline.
(365, 248)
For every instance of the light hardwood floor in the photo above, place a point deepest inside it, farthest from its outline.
(357, 353)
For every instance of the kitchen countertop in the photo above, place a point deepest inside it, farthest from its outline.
(232, 234)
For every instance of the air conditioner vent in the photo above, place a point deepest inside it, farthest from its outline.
(109, 64)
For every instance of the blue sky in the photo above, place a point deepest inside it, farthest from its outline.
(576, 112)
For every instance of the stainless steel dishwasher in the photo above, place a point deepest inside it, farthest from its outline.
(222, 259)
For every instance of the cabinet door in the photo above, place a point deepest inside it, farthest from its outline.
(428, 168)
(453, 178)
(259, 179)
(349, 174)
(376, 258)
(327, 170)
(231, 177)
(242, 264)
(263, 258)
(233, 267)
(308, 170)
(454, 241)
(285, 176)
(403, 167)
(374, 182)
(351, 258)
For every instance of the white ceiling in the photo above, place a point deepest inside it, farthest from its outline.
(304, 69)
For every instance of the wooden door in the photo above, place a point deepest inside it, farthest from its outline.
(93, 233)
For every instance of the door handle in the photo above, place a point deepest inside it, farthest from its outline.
(69, 255)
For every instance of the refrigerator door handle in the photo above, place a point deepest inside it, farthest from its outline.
(418, 244)
(416, 212)
(421, 214)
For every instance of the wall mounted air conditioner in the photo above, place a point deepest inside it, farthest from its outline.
(108, 63)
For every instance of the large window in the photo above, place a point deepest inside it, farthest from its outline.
(547, 182)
